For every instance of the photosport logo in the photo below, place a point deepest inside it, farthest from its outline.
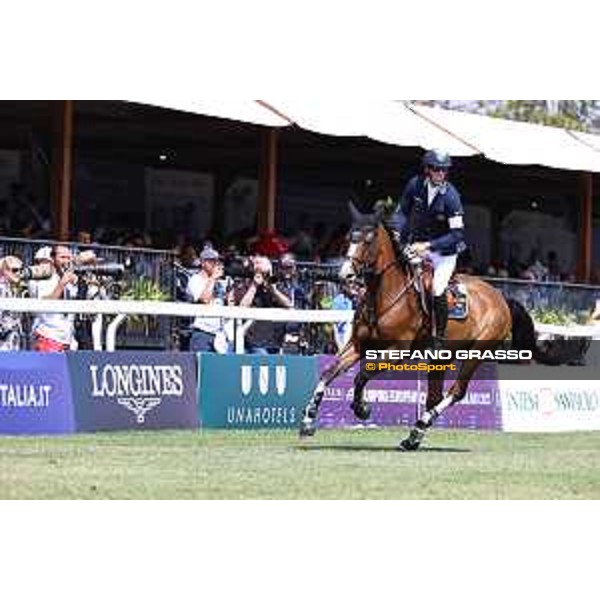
(263, 376)
(137, 388)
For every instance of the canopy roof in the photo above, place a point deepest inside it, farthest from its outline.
(518, 143)
(246, 111)
(401, 124)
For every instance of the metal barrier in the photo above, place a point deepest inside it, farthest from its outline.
(143, 264)
(157, 266)
(571, 298)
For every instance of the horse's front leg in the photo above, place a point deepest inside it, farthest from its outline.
(347, 357)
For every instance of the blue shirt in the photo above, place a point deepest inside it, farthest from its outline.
(440, 223)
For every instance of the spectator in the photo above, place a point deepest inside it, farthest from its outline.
(204, 288)
(346, 299)
(262, 337)
(55, 332)
(288, 284)
(269, 244)
(10, 324)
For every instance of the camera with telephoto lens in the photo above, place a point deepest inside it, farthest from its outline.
(114, 270)
(239, 267)
(36, 272)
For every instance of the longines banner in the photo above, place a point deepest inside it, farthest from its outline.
(253, 392)
(134, 390)
(35, 394)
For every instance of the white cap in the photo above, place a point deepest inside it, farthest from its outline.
(44, 253)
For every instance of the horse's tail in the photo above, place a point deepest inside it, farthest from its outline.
(523, 336)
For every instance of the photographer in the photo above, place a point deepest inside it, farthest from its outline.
(10, 324)
(54, 332)
(263, 337)
(204, 287)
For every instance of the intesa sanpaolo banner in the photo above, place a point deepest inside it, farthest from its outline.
(134, 390)
(35, 394)
(396, 402)
(547, 406)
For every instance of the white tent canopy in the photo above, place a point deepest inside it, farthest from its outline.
(387, 121)
(518, 143)
(246, 111)
(397, 123)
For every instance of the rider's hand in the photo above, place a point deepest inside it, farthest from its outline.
(420, 248)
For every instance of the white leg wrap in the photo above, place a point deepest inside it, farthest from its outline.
(429, 416)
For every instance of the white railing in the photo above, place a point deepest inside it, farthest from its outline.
(241, 317)
(120, 309)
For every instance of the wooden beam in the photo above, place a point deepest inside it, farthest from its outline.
(62, 168)
(267, 180)
(584, 270)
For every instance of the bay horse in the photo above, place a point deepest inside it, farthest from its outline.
(392, 312)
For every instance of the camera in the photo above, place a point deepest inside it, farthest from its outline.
(239, 267)
(114, 270)
(36, 272)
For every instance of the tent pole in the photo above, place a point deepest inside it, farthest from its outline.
(62, 168)
(585, 222)
(267, 181)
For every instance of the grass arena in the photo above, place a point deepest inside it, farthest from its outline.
(357, 464)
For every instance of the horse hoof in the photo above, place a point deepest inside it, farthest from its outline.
(413, 442)
(361, 411)
(307, 430)
(407, 446)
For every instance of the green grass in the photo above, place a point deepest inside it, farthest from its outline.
(275, 464)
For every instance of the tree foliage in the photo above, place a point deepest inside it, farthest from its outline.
(570, 114)
(582, 115)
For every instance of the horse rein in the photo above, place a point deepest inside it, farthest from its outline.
(370, 272)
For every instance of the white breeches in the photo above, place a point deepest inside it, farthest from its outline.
(443, 267)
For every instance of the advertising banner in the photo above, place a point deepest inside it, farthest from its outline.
(396, 402)
(35, 394)
(254, 392)
(546, 406)
(134, 390)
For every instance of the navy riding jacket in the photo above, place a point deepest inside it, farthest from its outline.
(440, 223)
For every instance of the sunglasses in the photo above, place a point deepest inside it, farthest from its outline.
(438, 169)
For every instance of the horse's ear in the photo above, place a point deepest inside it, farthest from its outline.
(357, 216)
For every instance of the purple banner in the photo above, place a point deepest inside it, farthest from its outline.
(35, 394)
(397, 403)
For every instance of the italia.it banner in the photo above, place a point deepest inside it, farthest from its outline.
(35, 394)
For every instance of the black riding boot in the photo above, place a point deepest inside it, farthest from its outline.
(440, 315)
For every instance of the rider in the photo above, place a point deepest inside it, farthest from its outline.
(428, 223)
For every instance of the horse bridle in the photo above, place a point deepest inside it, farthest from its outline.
(367, 268)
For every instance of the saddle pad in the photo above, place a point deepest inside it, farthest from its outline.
(458, 301)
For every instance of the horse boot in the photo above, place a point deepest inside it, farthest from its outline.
(440, 321)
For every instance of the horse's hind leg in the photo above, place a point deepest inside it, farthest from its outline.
(434, 408)
(346, 359)
(435, 389)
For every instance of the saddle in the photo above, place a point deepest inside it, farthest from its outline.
(457, 293)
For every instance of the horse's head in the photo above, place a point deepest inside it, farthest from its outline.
(363, 249)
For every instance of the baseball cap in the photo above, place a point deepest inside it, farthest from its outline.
(44, 253)
(209, 253)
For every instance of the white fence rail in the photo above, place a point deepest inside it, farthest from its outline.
(120, 309)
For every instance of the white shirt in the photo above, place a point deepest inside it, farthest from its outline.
(195, 288)
(54, 326)
(432, 191)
